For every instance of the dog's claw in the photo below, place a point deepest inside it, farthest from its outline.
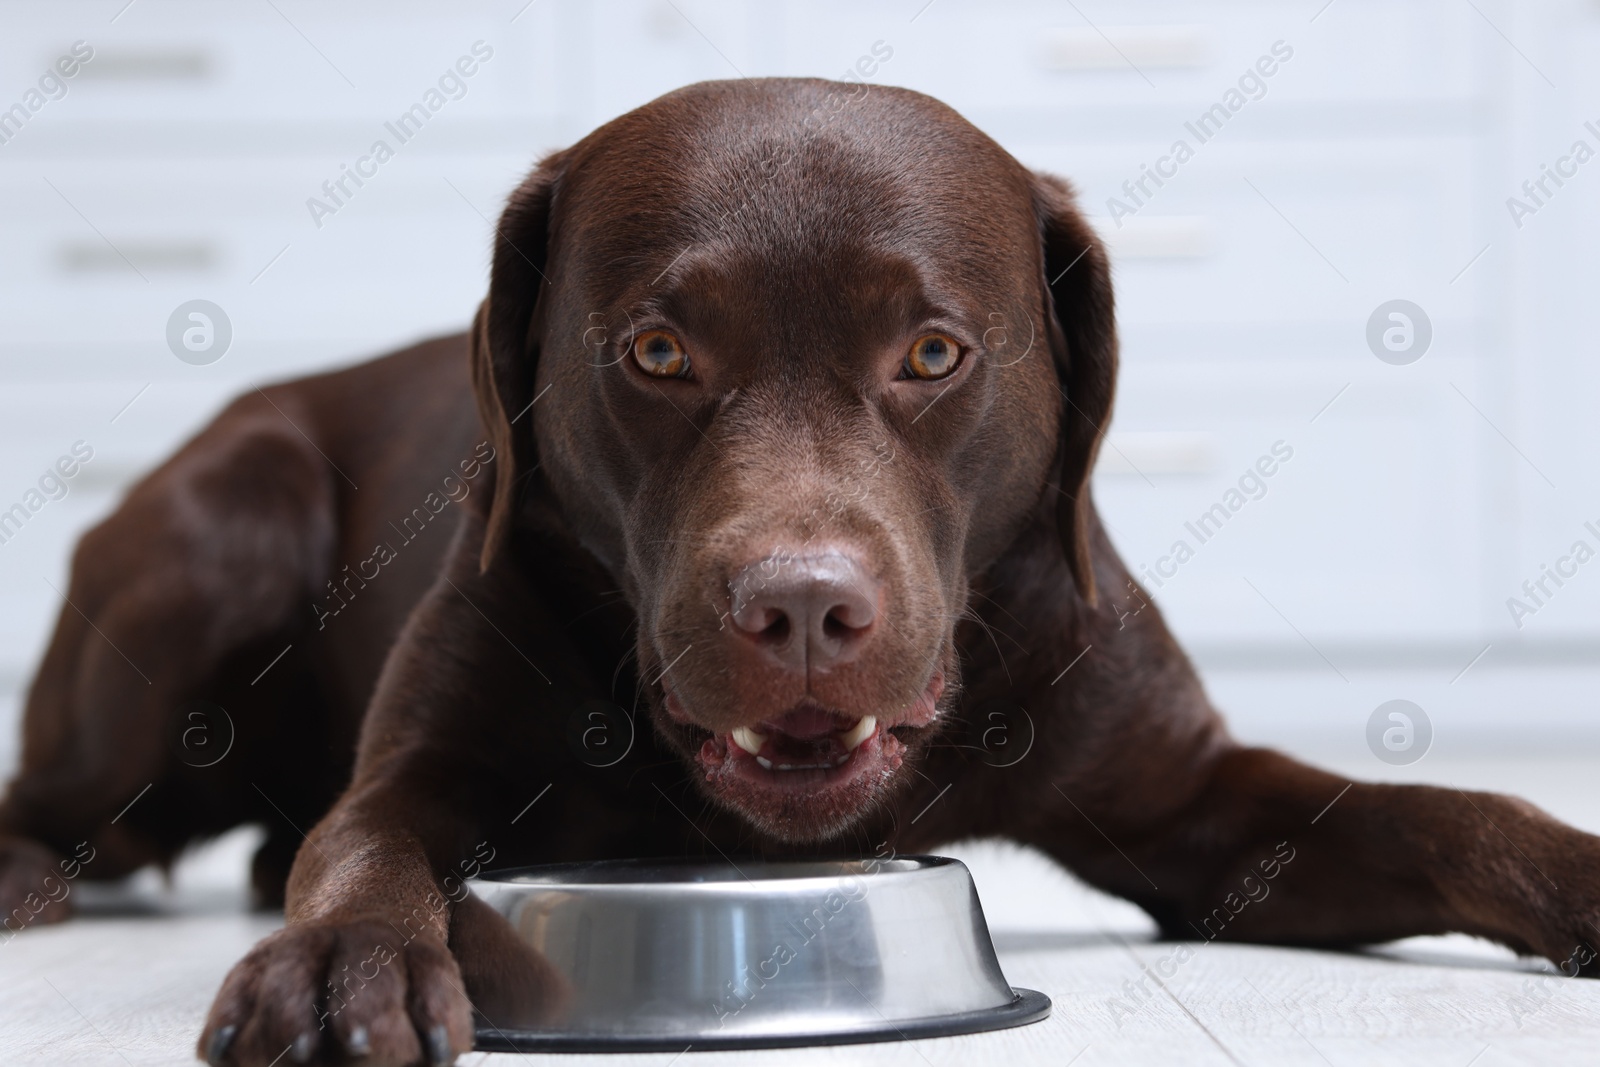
(221, 1042)
(359, 1043)
(439, 1054)
(304, 1047)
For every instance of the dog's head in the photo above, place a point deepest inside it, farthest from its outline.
(798, 360)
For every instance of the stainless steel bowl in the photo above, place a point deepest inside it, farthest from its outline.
(661, 955)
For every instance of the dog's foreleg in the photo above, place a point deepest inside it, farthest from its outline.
(1263, 848)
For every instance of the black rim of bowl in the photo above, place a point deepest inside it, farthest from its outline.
(1029, 1006)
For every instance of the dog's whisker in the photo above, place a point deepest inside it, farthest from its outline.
(628, 652)
(998, 605)
(971, 615)
(989, 631)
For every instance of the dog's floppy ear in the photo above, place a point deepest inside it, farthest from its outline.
(1083, 342)
(504, 345)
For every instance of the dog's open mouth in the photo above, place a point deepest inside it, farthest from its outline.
(807, 750)
(810, 772)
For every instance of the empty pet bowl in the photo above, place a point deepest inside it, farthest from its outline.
(653, 955)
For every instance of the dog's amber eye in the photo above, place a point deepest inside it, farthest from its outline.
(931, 357)
(660, 355)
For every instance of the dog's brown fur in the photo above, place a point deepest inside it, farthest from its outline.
(797, 234)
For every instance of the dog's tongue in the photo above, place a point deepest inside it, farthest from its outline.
(807, 724)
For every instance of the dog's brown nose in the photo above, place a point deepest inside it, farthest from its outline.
(808, 612)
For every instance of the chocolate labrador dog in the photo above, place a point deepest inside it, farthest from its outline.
(751, 518)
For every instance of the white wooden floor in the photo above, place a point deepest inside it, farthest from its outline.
(129, 983)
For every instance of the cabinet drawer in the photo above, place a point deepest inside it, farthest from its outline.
(184, 61)
(407, 255)
(1377, 219)
(1374, 529)
(1144, 60)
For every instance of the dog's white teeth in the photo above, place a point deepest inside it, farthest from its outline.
(748, 739)
(765, 763)
(860, 732)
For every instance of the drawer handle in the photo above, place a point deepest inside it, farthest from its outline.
(171, 257)
(1142, 47)
(1145, 452)
(147, 65)
(1157, 237)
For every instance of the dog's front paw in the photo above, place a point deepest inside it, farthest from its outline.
(1561, 868)
(34, 885)
(1570, 938)
(1569, 941)
(336, 993)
